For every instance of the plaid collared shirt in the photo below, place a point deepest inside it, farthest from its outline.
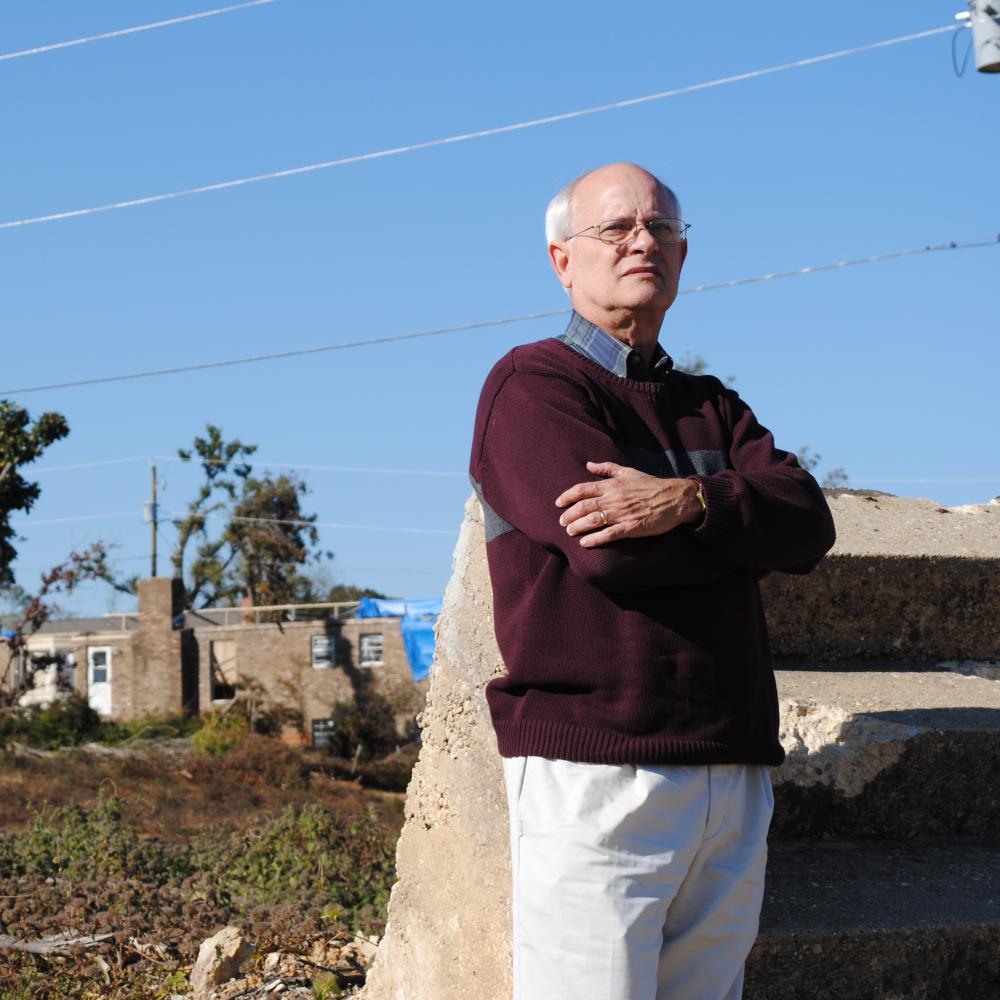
(609, 352)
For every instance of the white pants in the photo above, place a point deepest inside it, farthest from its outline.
(635, 883)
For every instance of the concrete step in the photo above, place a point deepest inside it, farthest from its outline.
(903, 920)
(887, 754)
(907, 579)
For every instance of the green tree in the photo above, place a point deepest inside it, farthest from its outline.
(270, 540)
(225, 467)
(21, 442)
(342, 592)
(266, 540)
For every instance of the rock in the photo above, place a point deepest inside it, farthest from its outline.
(220, 958)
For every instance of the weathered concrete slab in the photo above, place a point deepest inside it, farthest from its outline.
(898, 921)
(448, 932)
(907, 579)
(887, 754)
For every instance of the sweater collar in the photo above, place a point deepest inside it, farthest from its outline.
(618, 358)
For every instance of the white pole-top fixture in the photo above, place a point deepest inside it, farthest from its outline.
(983, 17)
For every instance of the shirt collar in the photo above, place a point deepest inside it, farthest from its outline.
(618, 358)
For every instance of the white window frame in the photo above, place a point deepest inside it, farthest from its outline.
(363, 661)
(331, 658)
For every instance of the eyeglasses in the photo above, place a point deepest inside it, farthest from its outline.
(623, 232)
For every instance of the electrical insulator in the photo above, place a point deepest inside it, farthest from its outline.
(984, 19)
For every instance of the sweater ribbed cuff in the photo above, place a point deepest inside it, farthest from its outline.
(721, 508)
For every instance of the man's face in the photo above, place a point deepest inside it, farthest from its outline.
(603, 278)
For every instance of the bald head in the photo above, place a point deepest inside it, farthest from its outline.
(626, 285)
(560, 218)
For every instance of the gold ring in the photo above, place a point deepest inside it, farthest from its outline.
(604, 517)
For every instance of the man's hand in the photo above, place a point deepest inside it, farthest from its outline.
(626, 504)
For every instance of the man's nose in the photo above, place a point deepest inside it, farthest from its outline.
(643, 239)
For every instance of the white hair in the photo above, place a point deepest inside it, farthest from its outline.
(559, 214)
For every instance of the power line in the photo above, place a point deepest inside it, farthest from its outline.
(850, 262)
(337, 524)
(293, 354)
(88, 465)
(925, 479)
(255, 462)
(264, 520)
(260, 463)
(444, 473)
(480, 134)
(486, 324)
(131, 31)
(388, 569)
(77, 517)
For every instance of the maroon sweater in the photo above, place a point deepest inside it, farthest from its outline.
(648, 650)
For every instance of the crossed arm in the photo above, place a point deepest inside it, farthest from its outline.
(626, 503)
(543, 433)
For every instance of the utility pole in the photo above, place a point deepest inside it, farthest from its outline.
(983, 17)
(152, 513)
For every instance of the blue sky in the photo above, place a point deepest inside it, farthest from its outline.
(888, 370)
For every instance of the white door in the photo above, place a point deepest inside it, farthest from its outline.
(99, 679)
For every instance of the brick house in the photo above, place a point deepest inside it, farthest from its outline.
(298, 660)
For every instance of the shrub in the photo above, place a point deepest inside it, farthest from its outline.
(366, 727)
(219, 733)
(309, 852)
(75, 842)
(66, 722)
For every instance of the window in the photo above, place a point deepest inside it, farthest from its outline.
(371, 650)
(99, 666)
(222, 666)
(322, 733)
(324, 651)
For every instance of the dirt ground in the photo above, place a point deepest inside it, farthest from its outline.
(153, 850)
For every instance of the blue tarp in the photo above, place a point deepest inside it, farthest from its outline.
(417, 627)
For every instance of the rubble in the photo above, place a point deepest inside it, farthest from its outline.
(220, 958)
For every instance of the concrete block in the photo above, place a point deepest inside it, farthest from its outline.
(895, 920)
(887, 754)
(448, 933)
(907, 579)
(448, 930)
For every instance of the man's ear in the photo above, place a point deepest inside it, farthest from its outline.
(561, 264)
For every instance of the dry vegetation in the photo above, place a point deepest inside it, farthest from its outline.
(161, 846)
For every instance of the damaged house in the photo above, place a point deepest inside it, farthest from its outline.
(296, 661)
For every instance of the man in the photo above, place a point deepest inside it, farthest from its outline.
(630, 511)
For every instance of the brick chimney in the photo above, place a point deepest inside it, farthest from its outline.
(158, 682)
(161, 600)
